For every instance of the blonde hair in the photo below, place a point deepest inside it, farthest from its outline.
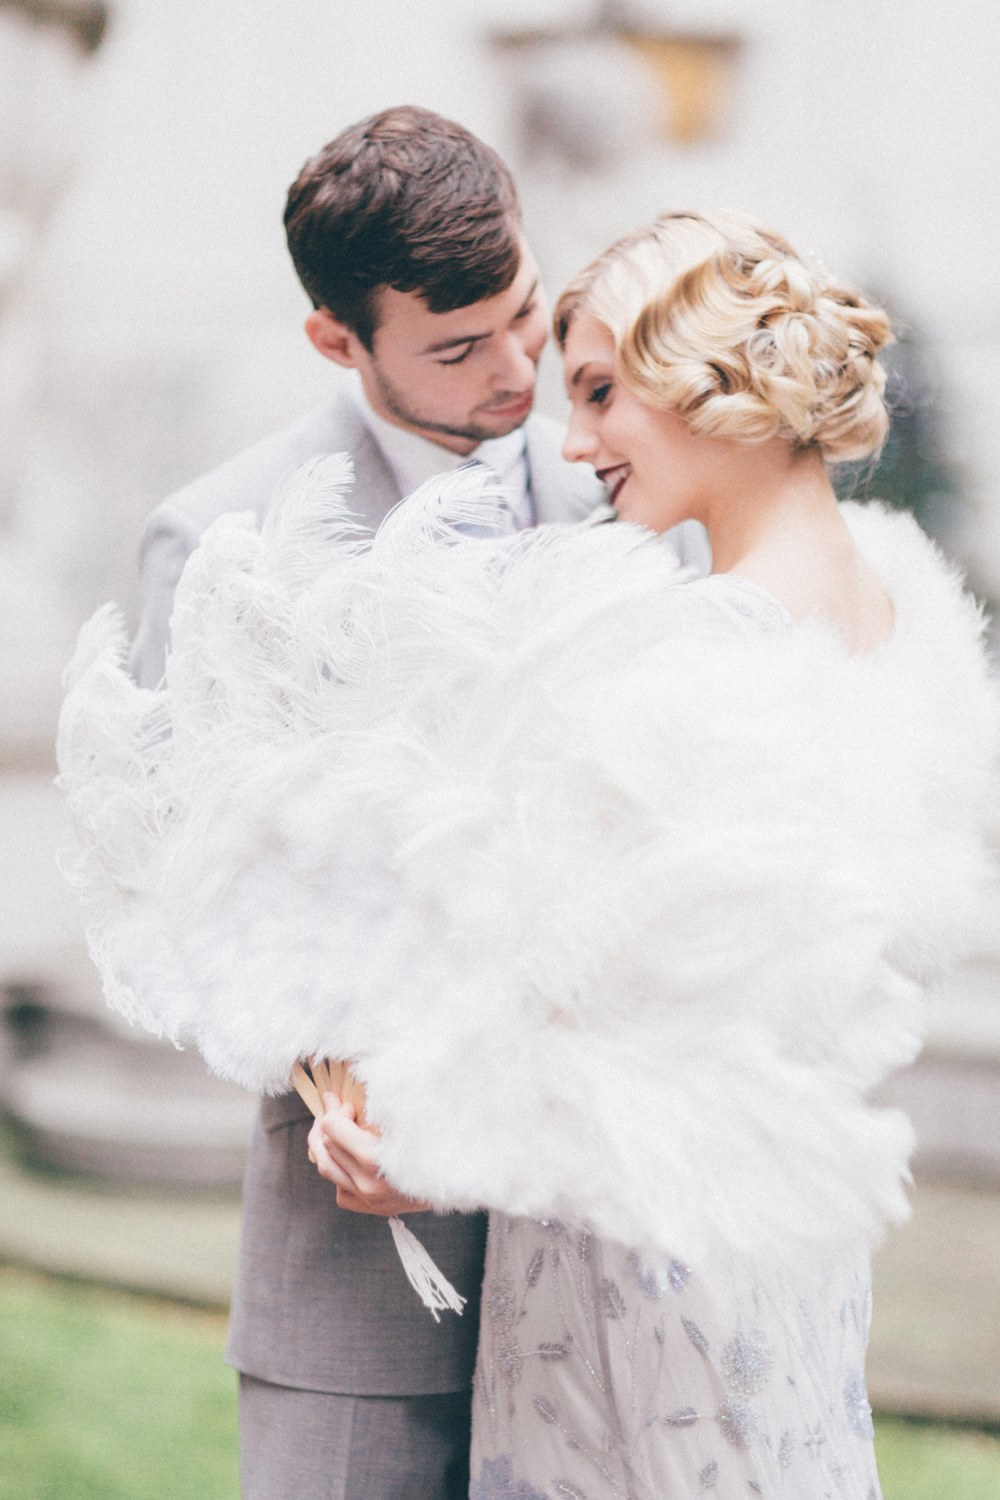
(719, 320)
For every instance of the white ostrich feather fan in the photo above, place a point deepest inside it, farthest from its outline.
(619, 913)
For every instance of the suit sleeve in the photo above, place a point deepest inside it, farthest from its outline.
(167, 541)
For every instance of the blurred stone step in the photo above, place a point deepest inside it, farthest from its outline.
(136, 1236)
(84, 1097)
(952, 1092)
(963, 1013)
(954, 1103)
(935, 1346)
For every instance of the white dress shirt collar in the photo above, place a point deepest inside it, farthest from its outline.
(414, 459)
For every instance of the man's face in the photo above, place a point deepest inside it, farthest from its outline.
(458, 377)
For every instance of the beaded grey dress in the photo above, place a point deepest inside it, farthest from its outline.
(601, 1376)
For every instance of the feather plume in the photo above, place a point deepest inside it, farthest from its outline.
(619, 913)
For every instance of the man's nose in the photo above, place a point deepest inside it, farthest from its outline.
(517, 368)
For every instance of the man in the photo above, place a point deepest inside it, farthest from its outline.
(405, 233)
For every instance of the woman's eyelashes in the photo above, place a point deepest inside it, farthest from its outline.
(600, 393)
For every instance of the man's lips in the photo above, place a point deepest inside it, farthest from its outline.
(614, 478)
(519, 406)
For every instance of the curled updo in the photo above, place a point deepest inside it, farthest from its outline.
(717, 319)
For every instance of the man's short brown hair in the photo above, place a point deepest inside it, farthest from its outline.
(403, 199)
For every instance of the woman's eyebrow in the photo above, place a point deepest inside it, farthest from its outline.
(581, 369)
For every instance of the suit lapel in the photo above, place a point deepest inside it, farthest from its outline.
(375, 492)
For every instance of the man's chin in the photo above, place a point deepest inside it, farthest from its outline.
(482, 424)
(481, 430)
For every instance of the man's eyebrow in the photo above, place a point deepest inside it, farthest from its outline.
(532, 291)
(477, 338)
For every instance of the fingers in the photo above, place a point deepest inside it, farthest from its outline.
(353, 1176)
(361, 1205)
(346, 1142)
(384, 1204)
(324, 1162)
(346, 1107)
(342, 1153)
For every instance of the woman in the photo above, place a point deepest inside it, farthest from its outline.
(712, 376)
(618, 888)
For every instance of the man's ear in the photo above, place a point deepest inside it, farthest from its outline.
(333, 339)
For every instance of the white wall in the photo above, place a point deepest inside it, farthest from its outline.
(870, 135)
(159, 329)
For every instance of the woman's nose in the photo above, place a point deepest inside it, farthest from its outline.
(581, 444)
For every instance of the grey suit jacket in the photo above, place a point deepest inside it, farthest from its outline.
(321, 1302)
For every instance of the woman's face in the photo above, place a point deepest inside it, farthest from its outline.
(658, 471)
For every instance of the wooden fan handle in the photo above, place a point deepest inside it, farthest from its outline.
(330, 1078)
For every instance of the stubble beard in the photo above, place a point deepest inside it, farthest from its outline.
(394, 402)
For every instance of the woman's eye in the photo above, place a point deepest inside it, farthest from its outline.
(458, 358)
(600, 394)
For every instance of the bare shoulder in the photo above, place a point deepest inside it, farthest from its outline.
(824, 576)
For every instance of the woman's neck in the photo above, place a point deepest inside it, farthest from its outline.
(776, 503)
(780, 527)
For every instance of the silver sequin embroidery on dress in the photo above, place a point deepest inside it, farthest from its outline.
(737, 1382)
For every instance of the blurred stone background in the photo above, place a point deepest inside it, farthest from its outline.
(150, 325)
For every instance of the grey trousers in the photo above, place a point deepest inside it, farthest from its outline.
(310, 1445)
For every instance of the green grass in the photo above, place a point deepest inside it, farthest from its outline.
(110, 1397)
(917, 1462)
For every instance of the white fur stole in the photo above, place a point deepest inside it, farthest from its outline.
(621, 914)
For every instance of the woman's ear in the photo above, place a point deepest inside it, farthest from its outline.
(333, 339)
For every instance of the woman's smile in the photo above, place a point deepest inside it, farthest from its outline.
(614, 477)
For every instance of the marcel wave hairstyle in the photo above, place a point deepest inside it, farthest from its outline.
(403, 199)
(719, 320)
